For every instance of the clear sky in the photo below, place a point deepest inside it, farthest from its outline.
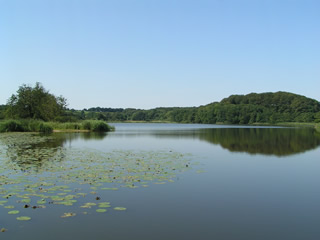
(153, 53)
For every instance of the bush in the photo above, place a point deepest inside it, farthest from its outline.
(100, 126)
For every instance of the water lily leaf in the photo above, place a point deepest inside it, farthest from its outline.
(27, 200)
(9, 206)
(120, 208)
(104, 205)
(14, 212)
(101, 210)
(42, 201)
(23, 218)
(106, 188)
(88, 205)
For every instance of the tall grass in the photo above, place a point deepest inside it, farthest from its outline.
(48, 127)
(25, 126)
(88, 125)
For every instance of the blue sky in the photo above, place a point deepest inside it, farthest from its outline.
(153, 53)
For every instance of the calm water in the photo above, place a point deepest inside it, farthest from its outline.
(233, 183)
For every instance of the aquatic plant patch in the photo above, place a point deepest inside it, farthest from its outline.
(38, 172)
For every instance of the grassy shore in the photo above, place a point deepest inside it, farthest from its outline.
(48, 127)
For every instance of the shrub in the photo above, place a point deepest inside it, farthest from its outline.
(100, 126)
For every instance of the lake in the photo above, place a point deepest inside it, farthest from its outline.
(161, 181)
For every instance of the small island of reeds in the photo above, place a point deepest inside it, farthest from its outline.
(25, 125)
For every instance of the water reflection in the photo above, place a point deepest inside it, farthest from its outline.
(253, 140)
(268, 141)
(31, 152)
(35, 152)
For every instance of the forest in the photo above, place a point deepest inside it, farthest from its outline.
(253, 108)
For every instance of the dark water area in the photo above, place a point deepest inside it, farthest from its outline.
(175, 181)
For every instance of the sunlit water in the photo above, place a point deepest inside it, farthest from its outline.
(228, 183)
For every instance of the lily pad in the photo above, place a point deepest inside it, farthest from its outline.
(9, 206)
(101, 210)
(106, 188)
(23, 218)
(27, 200)
(120, 208)
(14, 212)
(42, 201)
(34, 171)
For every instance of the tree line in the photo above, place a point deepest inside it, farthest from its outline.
(236, 109)
(37, 103)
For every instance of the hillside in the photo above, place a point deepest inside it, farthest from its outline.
(263, 108)
(236, 109)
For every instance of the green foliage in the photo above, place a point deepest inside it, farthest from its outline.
(25, 126)
(87, 125)
(317, 117)
(11, 126)
(45, 128)
(100, 126)
(73, 126)
(253, 108)
(29, 125)
(2, 111)
(34, 103)
(264, 108)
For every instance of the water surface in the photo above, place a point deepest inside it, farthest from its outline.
(200, 182)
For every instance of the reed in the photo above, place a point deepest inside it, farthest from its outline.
(31, 125)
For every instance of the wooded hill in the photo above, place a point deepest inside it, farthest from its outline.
(236, 109)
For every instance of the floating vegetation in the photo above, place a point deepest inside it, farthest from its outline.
(38, 171)
(106, 188)
(120, 208)
(23, 218)
(69, 214)
(14, 212)
(104, 205)
(101, 210)
(3, 230)
(10, 206)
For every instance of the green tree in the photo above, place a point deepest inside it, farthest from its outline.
(35, 103)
